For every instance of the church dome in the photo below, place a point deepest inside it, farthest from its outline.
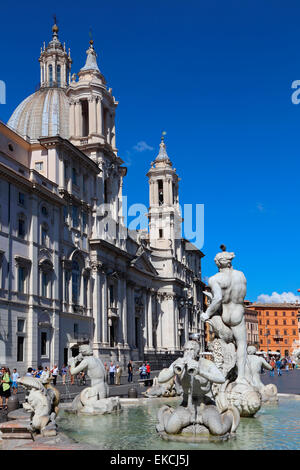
(44, 113)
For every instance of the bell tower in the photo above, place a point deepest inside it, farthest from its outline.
(92, 107)
(164, 211)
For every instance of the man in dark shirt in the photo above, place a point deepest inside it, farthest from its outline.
(130, 371)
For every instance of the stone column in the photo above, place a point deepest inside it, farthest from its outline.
(97, 304)
(108, 127)
(159, 322)
(78, 119)
(92, 121)
(119, 305)
(100, 116)
(113, 131)
(32, 285)
(104, 308)
(61, 172)
(155, 190)
(145, 319)
(166, 191)
(124, 314)
(150, 321)
(72, 131)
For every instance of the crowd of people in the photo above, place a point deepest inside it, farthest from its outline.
(9, 381)
(114, 372)
(279, 364)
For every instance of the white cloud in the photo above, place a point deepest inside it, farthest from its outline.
(142, 146)
(288, 297)
(260, 207)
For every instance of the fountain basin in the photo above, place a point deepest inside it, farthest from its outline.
(274, 427)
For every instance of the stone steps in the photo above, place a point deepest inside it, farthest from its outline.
(15, 430)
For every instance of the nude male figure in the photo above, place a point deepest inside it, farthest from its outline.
(94, 369)
(229, 289)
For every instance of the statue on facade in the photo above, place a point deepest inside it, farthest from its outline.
(225, 314)
(197, 417)
(94, 399)
(41, 402)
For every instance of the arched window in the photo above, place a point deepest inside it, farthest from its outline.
(58, 74)
(50, 75)
(75, 282)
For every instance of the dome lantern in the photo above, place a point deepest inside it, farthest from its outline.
(55, 63)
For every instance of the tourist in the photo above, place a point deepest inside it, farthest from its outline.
(143, 372)
(130, 371)
(14, 385)
(118, 374)
(112, 370)
(71, 376)
(5, 391)
(64, 371)
(29, 372)
(39, 372)
(148, 369)
(272, 364)
(106, 371)
(278, 366)
(54, 373)
(45, 375)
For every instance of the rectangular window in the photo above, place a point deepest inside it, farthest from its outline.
(105, 192)
(21, 325)
(44, 236)
(65, 214)
(44, 284)
(39, 166)
(20, 349)
(111, 295)
(21, 279)
(85, 291)
(283, 314)
(21, 228)
(43, 343)
(161, 233)
(75, 218)
(21, 199)
(84, 221)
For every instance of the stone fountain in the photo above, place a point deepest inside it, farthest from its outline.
(217, 393)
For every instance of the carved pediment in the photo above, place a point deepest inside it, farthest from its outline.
(142, 263)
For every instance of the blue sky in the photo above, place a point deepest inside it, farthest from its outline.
(216, 76)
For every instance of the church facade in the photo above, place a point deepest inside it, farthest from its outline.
(71, 272)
